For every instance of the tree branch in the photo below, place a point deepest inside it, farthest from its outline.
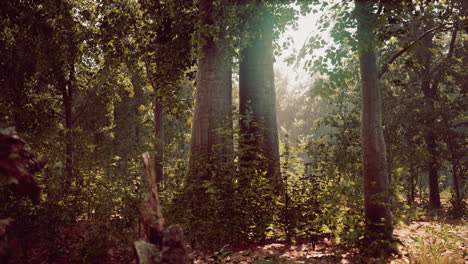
(452, 42)
(441, 67)
(399, 53)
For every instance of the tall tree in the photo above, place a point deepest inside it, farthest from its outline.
(257, 98)
(429, 88)
(376, 187)
(214, 93)
(172, 25)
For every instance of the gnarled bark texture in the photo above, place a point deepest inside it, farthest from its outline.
(162, 245)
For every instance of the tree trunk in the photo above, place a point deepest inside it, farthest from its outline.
(434, 196)
(424, 57)
(67, 94)
(127, 123)
(138, 83)
(376, 187)
(159, 140)
(412, 184)
(158, 111)
(257, 98)
(457, 172)
(16, 82)
(213, 99)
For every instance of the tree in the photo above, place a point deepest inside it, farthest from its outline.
(210, 177)
(257, 99)
(429, 88)
(172, 26)
(213, 103)
(376, 187)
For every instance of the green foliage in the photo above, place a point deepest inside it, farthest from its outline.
(78, 80)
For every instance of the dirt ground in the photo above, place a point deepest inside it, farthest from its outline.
(442, 241)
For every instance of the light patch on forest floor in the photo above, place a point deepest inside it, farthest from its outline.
(424, 242)
(275, 253)
(434, 242)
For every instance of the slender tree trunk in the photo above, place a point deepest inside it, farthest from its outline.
(138, 83)
(159, 140)
(67, 95)
(429, 89)
(16, 82)
(257, 98)
(412, 184)
(457, 172)
(433, 167)
(158, 111)
(213, 103)
(376, 187)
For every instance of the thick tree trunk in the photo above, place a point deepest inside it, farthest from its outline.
(376, 187)
(257, 98)
(213, 103)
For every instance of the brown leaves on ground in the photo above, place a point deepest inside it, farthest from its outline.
(277, 252)
(424, 242)
(427, 242)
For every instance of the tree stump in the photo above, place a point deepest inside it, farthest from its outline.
(162, 245)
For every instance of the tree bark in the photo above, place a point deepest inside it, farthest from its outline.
(457, 173)
(213, 103)
(159, 140)
(413, 179)
(429, 88)
(257, 98)
(127, 122)
(158, 111)
(66, 87)
(162, 245)
(16, 82)
(376, 187)
(138, 83)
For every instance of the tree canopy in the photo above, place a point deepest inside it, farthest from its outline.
(373, 135)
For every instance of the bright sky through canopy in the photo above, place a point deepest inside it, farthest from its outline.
(307, 28)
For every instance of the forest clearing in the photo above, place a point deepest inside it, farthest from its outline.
(233, 131)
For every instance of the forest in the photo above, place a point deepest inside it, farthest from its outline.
(206, 131)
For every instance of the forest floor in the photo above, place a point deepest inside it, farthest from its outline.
(431, 240)
(441, 241)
